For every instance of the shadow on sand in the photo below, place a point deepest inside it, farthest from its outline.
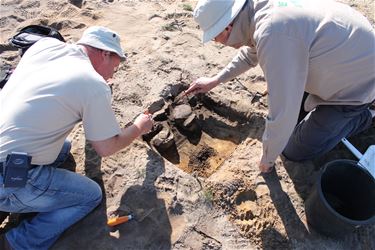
(152, 232)
(294, 227)
(151, 228)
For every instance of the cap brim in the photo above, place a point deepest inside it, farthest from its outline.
(99, 45)
(223, 22)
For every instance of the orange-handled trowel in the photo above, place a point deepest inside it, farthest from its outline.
(119, 220)
(122, 219)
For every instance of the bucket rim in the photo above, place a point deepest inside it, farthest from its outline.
(357, 223)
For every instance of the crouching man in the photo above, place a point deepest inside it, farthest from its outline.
(316, 54)
(55, 86)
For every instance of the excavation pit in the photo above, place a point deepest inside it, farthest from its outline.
(196, 133)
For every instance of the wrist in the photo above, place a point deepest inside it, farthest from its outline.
(136, 130)
(216, 80)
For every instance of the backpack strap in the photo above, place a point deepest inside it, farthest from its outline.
(4, 77)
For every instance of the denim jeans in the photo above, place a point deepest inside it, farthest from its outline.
(324, 128)
(60, 197)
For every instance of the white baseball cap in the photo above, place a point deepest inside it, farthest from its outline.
(102, 38)
(213, 16)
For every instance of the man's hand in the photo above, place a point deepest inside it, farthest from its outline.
(202, 85)
(144, 123)
(266, 167)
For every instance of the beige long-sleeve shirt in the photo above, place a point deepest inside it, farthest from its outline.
(322, 47)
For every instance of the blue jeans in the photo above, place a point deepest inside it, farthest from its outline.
(324, 129)
(60, 197)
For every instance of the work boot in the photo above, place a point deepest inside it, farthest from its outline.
(4, 244)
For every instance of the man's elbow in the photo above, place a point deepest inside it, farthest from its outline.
(103, 152)
(103, 148)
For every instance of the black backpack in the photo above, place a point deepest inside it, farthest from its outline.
(23, 40)
(29, 35)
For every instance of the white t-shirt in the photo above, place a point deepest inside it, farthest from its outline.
(53, 88)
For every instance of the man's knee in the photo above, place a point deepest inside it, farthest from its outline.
(297, 150)
(294, 156)
(95, 194)
(99, 195)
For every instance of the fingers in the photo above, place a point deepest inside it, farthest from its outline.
(148, 115)
(198, 86)
(151, 122)
(193, 89)
(265, 168)
(144, 122)
(202, 85)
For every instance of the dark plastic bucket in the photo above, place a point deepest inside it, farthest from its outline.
(342, 199)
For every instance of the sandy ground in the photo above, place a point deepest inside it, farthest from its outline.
(212, 196)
